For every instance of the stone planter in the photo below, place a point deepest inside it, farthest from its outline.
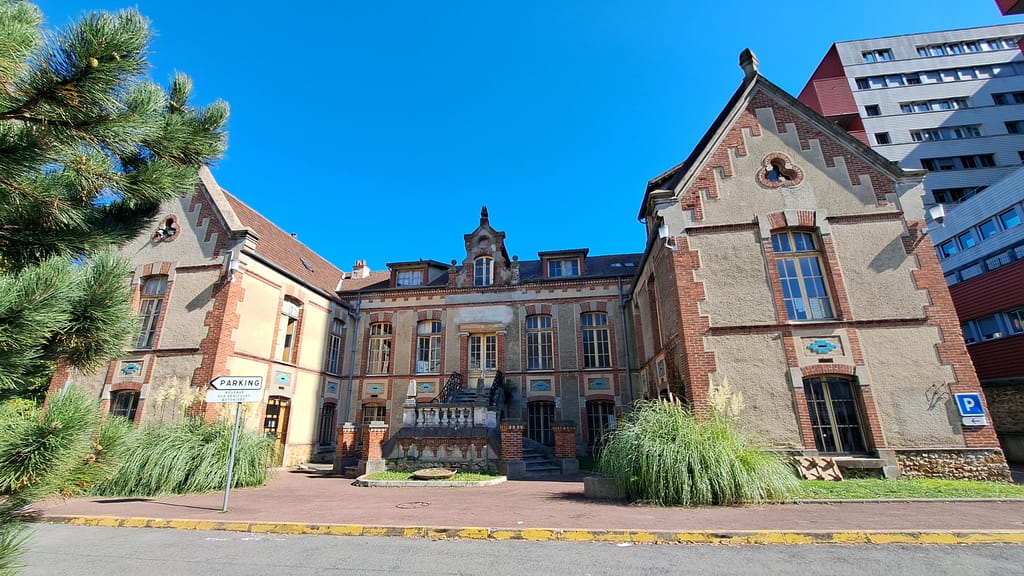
(601, 488)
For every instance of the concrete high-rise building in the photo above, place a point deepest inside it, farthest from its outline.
(951, 102)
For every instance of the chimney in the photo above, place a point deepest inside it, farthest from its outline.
(748, 62)
(360, 269)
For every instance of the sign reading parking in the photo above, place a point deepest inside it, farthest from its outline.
(235, 389)
(971, 409)
(237, 383)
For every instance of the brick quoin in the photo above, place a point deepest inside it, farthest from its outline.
(696, 363)
(512, 441)
(565, 440)
(941, 313)
(221, 322)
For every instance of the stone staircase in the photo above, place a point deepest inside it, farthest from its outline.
(538, 463)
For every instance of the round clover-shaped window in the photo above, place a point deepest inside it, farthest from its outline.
(777, 170)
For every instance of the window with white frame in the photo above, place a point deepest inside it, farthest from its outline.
(428, 347)
(560, 268)
(154, 290)
(1007, 98)
(287, 337)
(334, 346)
(955, 195)
(596, 342)
(883, 55)
(483, 271)
(1009, 219)
(872, 110)
(959, 162)
(483, 352)
(933, 105)
(882, 138)
(937, 76)
(539, 343)
(409, 278)
(801, 274)
(379, 360)
(946, 133)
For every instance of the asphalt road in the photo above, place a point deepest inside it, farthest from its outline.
(57, 550)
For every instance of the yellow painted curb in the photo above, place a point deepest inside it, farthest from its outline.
(734, 537)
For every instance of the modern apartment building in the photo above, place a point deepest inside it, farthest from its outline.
(951, 102)
(981, 245)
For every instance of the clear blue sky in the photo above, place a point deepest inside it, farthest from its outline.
(377, 130)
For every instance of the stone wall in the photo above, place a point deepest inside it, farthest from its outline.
(954, 464)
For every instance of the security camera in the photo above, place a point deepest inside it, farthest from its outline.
(937, 213)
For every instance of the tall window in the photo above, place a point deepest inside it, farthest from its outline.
(288, 335)
(374, 413)
(835, 416)
(154, 289)
(428, 347)
(539, 417)
(327, 424)
(539, 347)
(380, 348)
(124, 403)
(483, 271)
(600, 419)
(798, 261)
(596, 347)
(483, 352)
(334, 346)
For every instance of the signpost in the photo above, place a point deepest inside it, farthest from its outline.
(238, 389)
(972, 411)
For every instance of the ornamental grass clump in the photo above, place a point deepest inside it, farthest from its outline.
(189, 457)
(663, 454)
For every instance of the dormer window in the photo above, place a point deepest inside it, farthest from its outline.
(409, 278)
(483, 271)
(562, 268)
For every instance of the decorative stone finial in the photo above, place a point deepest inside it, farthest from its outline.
(483, 215)
(748, 62)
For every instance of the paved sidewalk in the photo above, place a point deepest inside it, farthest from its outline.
(315, 502)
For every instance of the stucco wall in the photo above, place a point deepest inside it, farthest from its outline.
(734, 277)
(191, 299)
(877, 271)
(909, 387)
(170, 389)
(755, 365)
(255, 333)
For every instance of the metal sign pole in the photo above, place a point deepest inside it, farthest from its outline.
(231, 458)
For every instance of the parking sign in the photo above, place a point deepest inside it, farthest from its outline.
(970, 404)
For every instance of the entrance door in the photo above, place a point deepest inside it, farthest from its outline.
(275, 425)
(539, 416)
(483, 359)
(600, 419)
(835, 415)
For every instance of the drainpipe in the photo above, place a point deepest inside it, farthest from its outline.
(352, 355)
(623, 303)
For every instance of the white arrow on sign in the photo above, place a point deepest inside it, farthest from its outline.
(237, 383)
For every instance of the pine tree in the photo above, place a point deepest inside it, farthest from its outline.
(89, 148)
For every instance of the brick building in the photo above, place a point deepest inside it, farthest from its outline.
(552, 329)
(220, 291)
(789, 257)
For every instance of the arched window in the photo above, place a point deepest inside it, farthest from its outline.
(596, 346)
(483, 271)
(154, 290)
(801, 274)
(124, 403)
(835, 415)
(539, 343)
(600, 419)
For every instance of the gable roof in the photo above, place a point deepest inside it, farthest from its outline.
(274, 245)
(752, 83)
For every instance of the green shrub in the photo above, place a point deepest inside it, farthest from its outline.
(661, 453)
(188, 457)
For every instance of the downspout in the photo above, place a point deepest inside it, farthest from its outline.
(623, 303)
(352, 355)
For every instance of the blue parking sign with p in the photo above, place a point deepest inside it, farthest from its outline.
(970, 404)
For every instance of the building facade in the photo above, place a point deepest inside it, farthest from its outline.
(981, 245)
(786, 256)
(552, 330)
(950, 102)
(222, 291)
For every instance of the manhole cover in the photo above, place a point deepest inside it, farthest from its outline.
(411, 505)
